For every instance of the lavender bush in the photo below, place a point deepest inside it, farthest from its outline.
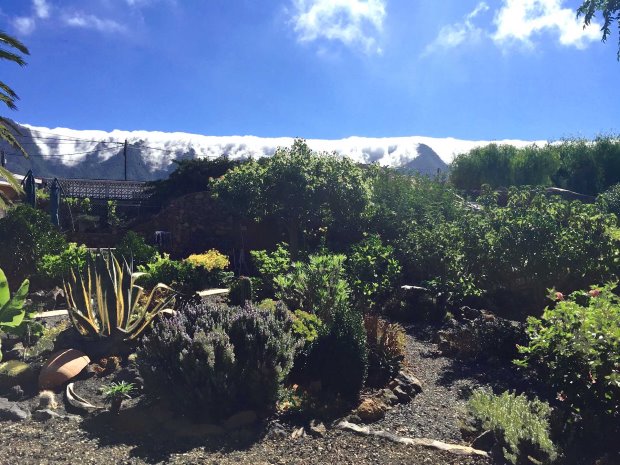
(214, 360)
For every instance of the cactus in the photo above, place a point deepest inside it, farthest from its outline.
(240, 291)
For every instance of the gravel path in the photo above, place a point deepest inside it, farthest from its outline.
(433, 414)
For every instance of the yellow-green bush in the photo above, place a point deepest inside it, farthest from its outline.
(210, 260)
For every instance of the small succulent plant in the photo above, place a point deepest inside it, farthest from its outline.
(115, 393)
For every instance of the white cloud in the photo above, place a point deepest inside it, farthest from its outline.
(453, 35)
(86, 21)
(41, 8)
(355, 23)
(518, 21)
(24, 25)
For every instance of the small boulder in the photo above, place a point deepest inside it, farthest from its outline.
(47, 414)
(401, 394)
(371, 410)
(16, 352)
(10, 411)
(389, 397)
(317, 429)
(409, 383)
(16, 373)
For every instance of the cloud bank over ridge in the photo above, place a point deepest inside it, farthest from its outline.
(60, 149)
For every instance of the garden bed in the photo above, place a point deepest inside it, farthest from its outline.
(99, 438)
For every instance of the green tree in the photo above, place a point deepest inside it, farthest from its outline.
(192, 175)
(310, 194)
(12, 50)
(610, 9)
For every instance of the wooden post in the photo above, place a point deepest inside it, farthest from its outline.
(125, 155)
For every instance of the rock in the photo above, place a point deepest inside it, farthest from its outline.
(298, 433)
(371, 410)
(277, 431)
(317, 429)
(389, 397)
(15, 393)
(61, 367)
(47, 414)
(401, 394)
(10, 411)
(241, 419)
(409, 383)
(16, 373)
(485, 441)
(16, 352)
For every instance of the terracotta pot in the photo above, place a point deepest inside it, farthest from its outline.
(61, 367)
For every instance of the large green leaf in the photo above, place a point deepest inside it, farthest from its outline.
(5, 293)
(12, 313)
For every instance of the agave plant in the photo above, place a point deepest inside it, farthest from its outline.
(105, 302)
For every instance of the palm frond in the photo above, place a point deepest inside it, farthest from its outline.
(13, 43)
(8, 176)
(5, 134)
(8, 101)
(14, 57)
(8, 91)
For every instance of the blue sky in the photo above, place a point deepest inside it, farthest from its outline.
(496, 69)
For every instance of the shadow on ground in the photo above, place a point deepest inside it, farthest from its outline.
(155, 433)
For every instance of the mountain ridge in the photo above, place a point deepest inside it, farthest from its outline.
(63, 152)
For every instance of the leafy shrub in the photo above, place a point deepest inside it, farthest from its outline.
(56, 267)
(167, 271)
(183, 275)
(306, 326)
(512, 254)
(270, 265)
(520, 426)
(386, 349)
(609, 201)
(372, 272)
(27, 235)
(192, 175)
(210, 260)
(268, 304)
(214, 360)
(311, 196)
(317, 286)
(339, 357)
(133, 247)
(575, 348)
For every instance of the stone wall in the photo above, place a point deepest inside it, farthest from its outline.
(197, 223)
